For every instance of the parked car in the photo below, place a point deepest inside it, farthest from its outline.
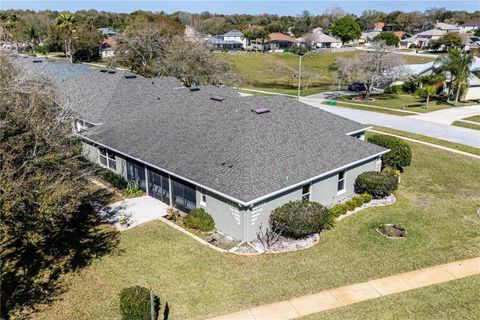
(357, 86)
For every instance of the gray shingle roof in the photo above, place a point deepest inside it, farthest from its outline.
(221, 145)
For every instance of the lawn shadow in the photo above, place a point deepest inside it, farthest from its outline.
(31, 273)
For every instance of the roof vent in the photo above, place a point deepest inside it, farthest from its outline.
(112, 71)
(37, 61)
(194, 89)
(217, 98)
(130, 76)
(260, 110)
(104, 70)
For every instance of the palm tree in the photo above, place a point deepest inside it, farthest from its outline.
(68, 24)
(427, 92)
(457, 64)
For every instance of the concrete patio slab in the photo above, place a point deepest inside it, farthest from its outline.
(390, 285)
(355, 293)
(314, 303)
(141, 209)
(276, 311)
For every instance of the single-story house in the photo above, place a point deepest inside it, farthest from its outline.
(232, 41)
(280, 41)
(470, 26)
(367, 37)
(447, 27)
(422, 39)
(207, 147)
(469, 41)
(108, 47)
(472, 92)
(319, 40)
(110, 32)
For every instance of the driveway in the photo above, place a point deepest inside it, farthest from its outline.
(427, 128)
(448, 116)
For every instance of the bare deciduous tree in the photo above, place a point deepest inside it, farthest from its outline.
(268, 237)
(374, 69)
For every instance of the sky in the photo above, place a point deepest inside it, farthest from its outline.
(293, 7)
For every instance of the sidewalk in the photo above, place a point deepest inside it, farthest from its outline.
(334, 298)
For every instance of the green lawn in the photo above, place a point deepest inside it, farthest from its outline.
(437, 202)
(474, 118)
(278, 70)
(292, 92)
(458, 299)
(404, 102)
(372, 109)
(466, 125)
(453, 145)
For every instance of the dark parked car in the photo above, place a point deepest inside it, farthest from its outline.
(357, 86)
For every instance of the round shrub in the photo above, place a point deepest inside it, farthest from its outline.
(199, 219)
(299, 218)
(377, 184)
(351, 205)
(135, 303)
(366, 197)
(339, 209)
(358, 201)
(400, 154)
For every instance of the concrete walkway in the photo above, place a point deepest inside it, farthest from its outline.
(338, 297)
(442, 131)
(448, 116)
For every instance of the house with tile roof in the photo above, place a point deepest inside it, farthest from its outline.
(237, 157)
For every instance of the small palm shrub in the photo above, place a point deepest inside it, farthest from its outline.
(377, 184)
(351, 205)
(199, 219)
(132, 190)
(366, 197)
(339, 209)
(135, 303)
(358, 201)
(400, 154)
(116, 180)
(299, 218)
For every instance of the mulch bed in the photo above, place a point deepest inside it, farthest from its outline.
(392, 231)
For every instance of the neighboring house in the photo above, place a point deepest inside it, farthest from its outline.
(237, 157)
(318, 39)
(110, 32)
(232, 41)
(472, 92)
(422, 39)
(278, 41)
(447, 27)
(108, 47)
(469, 41)
(378, 26)
(367, 37)
(471, 25)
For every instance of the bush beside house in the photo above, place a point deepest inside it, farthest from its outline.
(300, 218)
(377, 184)
(400, 154)
(199, 219)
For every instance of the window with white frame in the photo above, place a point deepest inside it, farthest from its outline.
(107, 158)
(203, 198)
(306, 192)
(341, 181)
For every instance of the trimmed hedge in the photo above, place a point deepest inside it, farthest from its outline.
(400, 154)
(339, 209)
(366, 197)
(377, 184)
(199, 219)
(358, 201)
(351, 205)
(299, 218)
(135, 303)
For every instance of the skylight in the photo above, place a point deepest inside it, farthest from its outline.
(112, 71)
(130, 76)
(194, 89)
(260, 110)
(104, 70)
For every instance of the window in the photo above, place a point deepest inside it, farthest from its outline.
(203, 198)
(107, 158)
(341, 181)
(306, 192)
